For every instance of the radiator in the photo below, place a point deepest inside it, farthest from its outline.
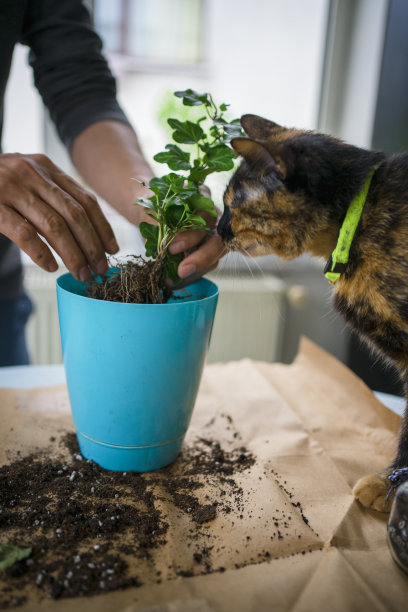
(43, 337)
(249, 320)
(248, 323)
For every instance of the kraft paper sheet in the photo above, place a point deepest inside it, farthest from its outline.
(315, 429)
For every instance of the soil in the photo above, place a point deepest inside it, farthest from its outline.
(137, 282)
(84, 524)
(92, 531)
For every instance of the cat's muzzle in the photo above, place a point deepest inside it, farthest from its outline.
(224, 226)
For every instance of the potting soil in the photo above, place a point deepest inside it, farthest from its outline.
(137, 281)
(92, 530)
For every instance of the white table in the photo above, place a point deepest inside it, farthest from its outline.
(30, 376)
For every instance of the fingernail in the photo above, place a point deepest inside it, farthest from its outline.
(113, 246)
(188, 270)
(101, 267)
(52, 266)
(177, 247)
(84, 274)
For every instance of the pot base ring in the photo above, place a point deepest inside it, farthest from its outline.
(130, 458)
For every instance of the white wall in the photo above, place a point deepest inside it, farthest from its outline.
(266, 57)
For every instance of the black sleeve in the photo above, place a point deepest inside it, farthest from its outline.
(70, 71)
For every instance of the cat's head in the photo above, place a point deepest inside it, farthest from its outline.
(291, 190)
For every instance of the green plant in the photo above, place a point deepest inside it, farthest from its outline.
(177, 201)
(10, 554)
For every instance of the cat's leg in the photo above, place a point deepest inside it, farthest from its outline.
(376, 491)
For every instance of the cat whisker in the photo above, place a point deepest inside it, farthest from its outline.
(255, 263)
(239, 259)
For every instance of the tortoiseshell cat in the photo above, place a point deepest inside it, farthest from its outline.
(289, 196)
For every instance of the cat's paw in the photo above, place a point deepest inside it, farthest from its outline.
(373, 492)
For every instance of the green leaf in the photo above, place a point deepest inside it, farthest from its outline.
(192, 98)
(187, 193)
(200, 202)
(146, 203)
(197, 220)
(226, 131)
(199, 174)
(151, 234)
(174, 157)
(234, 129)
(176, 200)
(151, 249)
(220, 158)
(174, 216)
(177, 182)
(216, 132)
(159, 186)
(149, 231)
(186, 132)
(10, 554)
(172, 263)
(169, 183)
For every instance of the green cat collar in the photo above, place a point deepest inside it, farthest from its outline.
(338, 260)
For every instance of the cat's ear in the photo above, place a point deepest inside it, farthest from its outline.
(264, 156)
(283, 157)
(258, 127)
(254, 153)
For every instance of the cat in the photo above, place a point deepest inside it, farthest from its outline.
(290, 195)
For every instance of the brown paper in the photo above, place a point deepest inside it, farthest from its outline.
(314, 429)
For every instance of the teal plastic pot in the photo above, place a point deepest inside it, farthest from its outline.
(133, 371)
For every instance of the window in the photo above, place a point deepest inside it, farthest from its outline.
(154, 33)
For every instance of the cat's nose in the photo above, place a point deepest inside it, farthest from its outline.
(224, 225)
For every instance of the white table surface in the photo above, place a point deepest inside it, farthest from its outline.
(30, 376)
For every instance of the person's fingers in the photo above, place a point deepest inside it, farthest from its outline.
(20, 231)
(71, 221)
(77, 208)
(65, 226)
(204, 259)
(89, 204)
(66, 242)
(186, 241)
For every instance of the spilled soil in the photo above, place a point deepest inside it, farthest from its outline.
(83, 523)
(92, 531)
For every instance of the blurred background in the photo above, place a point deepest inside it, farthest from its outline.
(337, 66)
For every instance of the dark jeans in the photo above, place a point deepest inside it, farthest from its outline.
(14, 315)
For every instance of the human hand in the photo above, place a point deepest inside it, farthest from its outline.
(38, 199)
(202, 251)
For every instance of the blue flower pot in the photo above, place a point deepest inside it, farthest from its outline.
(133, 371)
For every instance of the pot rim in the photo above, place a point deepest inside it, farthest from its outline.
(176, 303)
